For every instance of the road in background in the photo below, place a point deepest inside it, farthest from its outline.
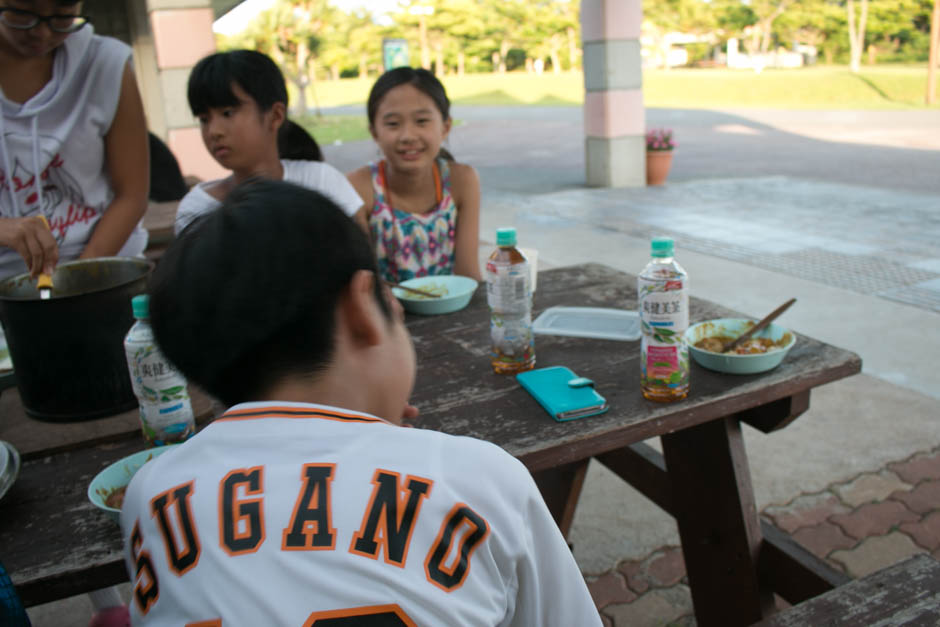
(541, 149)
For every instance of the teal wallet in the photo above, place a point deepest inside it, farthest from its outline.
(563, 394)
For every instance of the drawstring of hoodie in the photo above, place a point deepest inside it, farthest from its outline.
(37, 173)
(8, 176)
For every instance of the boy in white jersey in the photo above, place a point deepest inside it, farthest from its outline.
(306, 503)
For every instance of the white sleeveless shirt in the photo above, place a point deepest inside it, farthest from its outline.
(60, 133)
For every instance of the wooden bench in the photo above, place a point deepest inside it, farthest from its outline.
(158, 220)
(907, 593)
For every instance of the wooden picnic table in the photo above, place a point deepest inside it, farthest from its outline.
(734, 560)
(159, 220)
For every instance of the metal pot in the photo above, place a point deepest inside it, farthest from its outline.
(68, 351)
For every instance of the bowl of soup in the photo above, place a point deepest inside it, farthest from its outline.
(764, 351)
(106, 490)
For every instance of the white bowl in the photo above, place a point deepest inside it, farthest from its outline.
(456, 294)
(118, 475)
(734, 363)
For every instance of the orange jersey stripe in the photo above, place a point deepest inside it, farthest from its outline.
(257, 413)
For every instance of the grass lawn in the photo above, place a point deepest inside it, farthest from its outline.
(821, 87)
(328, 129)
(890, 87)
(832, 87)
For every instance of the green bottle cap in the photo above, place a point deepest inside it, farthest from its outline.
(141, 306)
(506, 236)
(662, 247)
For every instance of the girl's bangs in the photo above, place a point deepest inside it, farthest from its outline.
(211, 89)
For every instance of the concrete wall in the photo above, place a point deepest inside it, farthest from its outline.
(168, 37)
(181, 35)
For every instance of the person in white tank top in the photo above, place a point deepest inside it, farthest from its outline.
(73, 140)
(307, 502)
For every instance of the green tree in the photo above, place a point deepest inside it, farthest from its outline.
(290, 32)
(662, 17)
(466, 28)
(354, 45)
(899, 28)
(504, 28)
(856, 33)
(548, 30)
(819, 23)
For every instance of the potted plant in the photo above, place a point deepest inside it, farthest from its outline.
(659, 147)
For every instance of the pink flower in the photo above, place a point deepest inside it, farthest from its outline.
(659, 139)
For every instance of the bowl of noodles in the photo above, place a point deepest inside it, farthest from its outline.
(106, 490)
(446, 294)
(764, 351)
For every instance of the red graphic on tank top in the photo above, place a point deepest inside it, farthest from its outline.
(59, 188)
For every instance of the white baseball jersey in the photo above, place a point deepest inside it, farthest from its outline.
(290, 514)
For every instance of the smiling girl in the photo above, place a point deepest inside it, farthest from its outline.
(240, 99)
(422, 207)
(73, 140)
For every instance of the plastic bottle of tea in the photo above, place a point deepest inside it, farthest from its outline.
(166, 414)
(663, 295)
(509, 295)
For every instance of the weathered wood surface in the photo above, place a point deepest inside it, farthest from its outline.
(907, 593)
(717, 520)
(33, 438)
(158, 220)
(64, 534)
(458, 393)
(55, 543)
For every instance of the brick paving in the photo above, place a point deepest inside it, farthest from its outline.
(858, 526)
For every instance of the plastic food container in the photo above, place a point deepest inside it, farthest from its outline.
(593, 322)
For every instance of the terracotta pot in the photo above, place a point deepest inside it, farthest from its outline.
(658, 163)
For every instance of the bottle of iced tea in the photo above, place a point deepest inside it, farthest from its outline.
(663, 295)
(509, 295)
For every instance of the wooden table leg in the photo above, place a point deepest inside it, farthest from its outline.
(561, 488)
(718, 523)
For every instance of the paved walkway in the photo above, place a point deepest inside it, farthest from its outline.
(859, 526)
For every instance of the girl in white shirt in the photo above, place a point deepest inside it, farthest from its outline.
(240, 99)
(70, 104)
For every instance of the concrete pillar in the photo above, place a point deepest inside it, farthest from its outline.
(182, 34)
(614, 117)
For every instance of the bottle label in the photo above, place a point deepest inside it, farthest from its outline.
(509, 295)
(664, 317)
(507, 286)
(166, 413)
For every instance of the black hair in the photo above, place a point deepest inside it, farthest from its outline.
(294, 142)
(166, 178)
(210, 83)
(419, 78)
(246, 295)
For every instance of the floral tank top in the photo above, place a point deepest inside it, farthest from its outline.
(410, 245)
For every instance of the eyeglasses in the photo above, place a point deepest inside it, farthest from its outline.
(24, 20)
